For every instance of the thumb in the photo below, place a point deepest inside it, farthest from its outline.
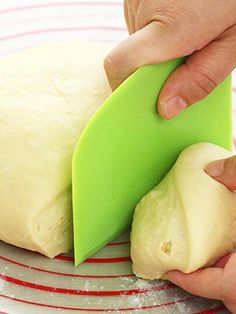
(203, 71)
(224, 171)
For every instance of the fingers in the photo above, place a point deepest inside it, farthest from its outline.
(199, 76)
(214, 282)
(224, 171)
(164, 30)
(223, 261)
(204, 282)
(229, 285)
(129, 17)
(151, 44)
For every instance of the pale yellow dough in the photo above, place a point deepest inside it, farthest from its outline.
(188, 221)
(47, 95)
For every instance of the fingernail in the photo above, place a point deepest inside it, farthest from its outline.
(173, 106)
(215, 168)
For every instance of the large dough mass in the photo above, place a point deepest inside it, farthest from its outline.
(188, 221)
(47, 95)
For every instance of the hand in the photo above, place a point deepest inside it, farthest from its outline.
(167, 29)
(218, 282)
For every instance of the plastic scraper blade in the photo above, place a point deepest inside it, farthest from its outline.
(127, 148)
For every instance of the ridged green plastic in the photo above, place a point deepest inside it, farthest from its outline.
(127, 148)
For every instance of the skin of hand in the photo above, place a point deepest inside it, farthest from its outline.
(167, 29)
(217, 282)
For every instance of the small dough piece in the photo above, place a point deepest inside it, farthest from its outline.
(188, 221)
(47, 95)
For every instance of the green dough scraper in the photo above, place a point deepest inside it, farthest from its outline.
(127, 148)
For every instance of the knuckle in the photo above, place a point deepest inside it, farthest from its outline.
(167, 15)
(173, 15)
(202, 79)
(108, 64)
(111, 66)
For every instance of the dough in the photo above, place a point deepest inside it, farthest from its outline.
(188, 221)
(47, 95)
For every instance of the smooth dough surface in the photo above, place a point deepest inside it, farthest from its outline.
(188, 221)
(47, 95)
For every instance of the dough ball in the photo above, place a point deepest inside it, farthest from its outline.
(188, 221)
(48, 94)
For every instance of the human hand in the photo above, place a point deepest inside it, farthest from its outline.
(168, 29)
(218, 282)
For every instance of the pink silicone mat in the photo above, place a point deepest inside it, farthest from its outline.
(31, 283)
